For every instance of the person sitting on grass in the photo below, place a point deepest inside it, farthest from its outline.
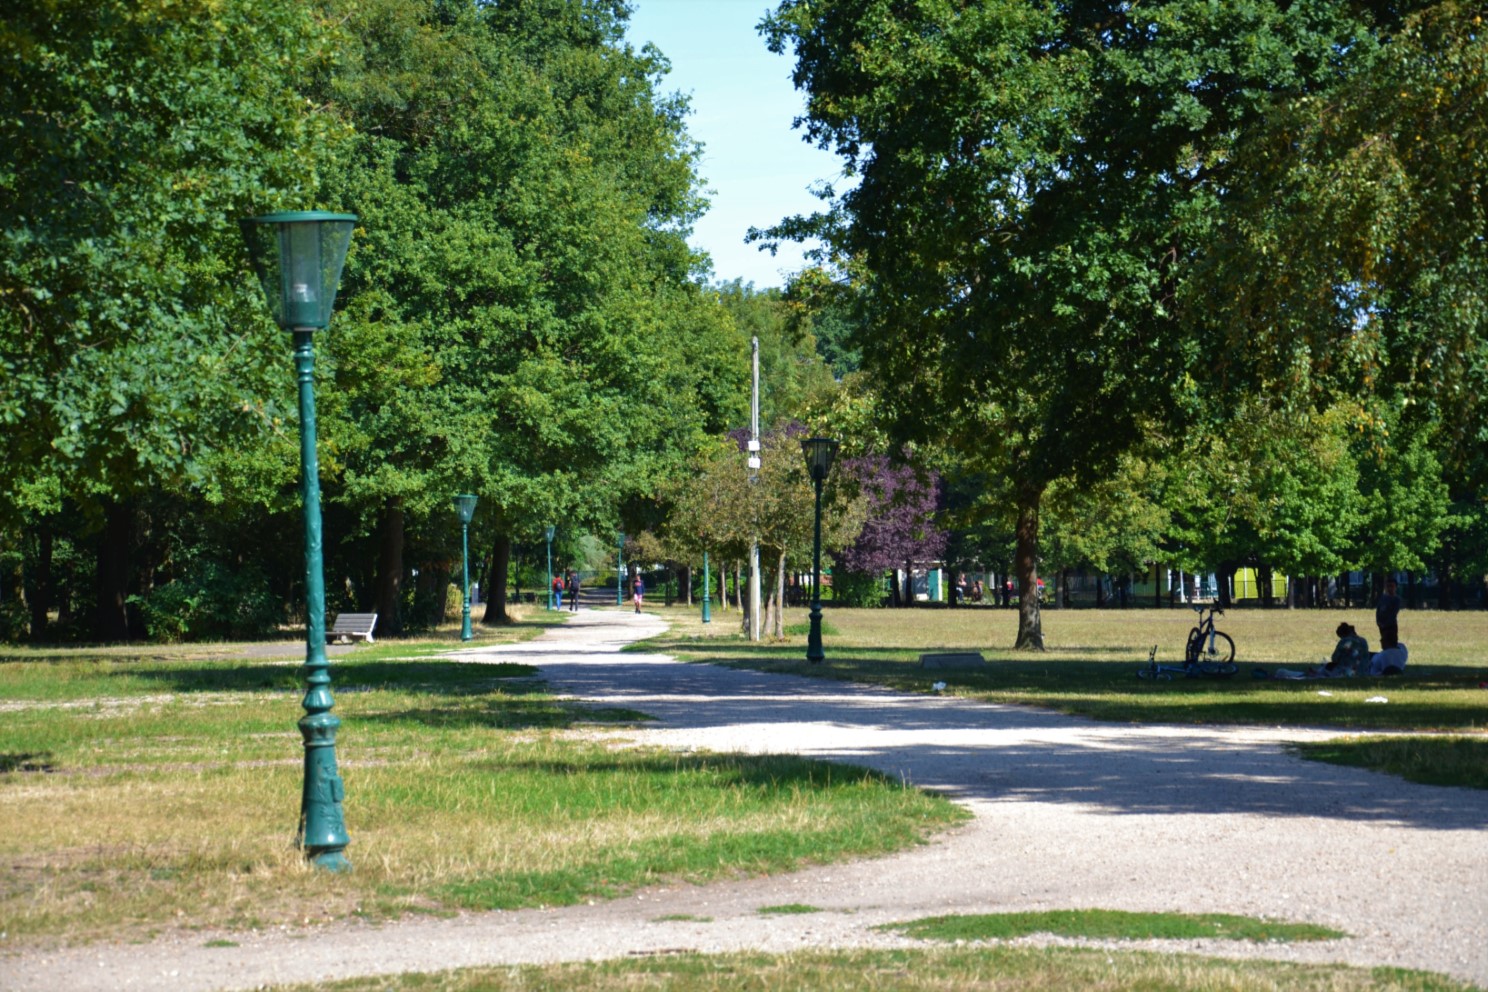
(1351, 656)
(1390, 661)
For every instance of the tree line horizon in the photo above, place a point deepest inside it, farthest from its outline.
(1102, 285)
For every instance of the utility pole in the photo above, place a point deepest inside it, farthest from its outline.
(754, 468)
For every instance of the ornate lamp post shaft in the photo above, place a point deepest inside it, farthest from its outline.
(819, 453)
(707, 584)
(322, 831)
(465, 632)
(814, 651)
(465, 506)
(620, 570)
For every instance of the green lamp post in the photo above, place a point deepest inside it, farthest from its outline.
(465, 504)
(819, 453)
(707, 584)
(298, 257)
(620, 568)
(551, 593)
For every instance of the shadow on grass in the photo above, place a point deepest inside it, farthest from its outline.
(448, 677)
(1071, 681)
(507, 713)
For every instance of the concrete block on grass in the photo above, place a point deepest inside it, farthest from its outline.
(953, 659)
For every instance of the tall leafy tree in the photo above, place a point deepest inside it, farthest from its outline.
(521, 317)
(1028, 182)
(133, 136)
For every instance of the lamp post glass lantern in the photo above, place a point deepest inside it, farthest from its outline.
(552, 593)
(819, 452)
(465, 504)
(298, 257)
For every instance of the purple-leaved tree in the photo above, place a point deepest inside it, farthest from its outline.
(900, 529)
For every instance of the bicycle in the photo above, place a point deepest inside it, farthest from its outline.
(1195, 669)
(1209, 648)
(1158, 672)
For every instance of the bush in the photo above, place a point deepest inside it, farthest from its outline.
(210, 602)
(858, 588)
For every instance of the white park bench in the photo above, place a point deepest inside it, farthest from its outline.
(350, 626)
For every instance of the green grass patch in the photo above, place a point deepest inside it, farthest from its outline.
(1440, 760)
(221, 943)
(142, 792)
(787, 909)
(1106, 924)
(682, 918)
(804, 629)
(988, 969)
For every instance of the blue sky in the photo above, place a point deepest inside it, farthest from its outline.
(758, 168)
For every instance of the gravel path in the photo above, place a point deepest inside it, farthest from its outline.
(1069, 813)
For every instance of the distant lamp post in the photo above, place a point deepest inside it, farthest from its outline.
(551, 593)
(819, 453)
(619, 569)
(298, 256)
(465, 503)
(707, 584)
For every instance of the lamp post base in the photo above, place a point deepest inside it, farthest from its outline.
(814, 653)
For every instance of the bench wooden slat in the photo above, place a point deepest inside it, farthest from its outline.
(351, 625)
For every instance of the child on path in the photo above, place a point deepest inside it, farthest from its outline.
(638, 589)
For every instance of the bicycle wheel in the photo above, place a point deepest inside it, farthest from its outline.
(1220, 651)
(1154, 673)
(1195, 646)
(1213, 669)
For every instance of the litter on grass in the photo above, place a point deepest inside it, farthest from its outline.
(1376, 699)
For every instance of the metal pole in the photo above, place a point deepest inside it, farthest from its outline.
(465, 632)
(707, 582)
(754, 551)
(619, 570)
(322, 829)
(550, 573)
(814, 652)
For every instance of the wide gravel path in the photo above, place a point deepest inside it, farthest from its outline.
(1068, 813)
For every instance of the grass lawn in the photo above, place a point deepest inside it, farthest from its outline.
(1091, 659)
(159, 788)
(1092, 656)
(950, 969)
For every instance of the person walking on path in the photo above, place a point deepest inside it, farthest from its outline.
(638, 591)
(573, 591)
(1386, 613)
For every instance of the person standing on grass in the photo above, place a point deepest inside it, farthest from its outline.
(638, 591)
(1386, 613)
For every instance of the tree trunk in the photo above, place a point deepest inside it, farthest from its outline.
(40, 596)
(1263, 578)
(496, 614)
(1025, 561)
(780, 597)
(389, 585)
(111, 609)
(684, 578)
(909, 598)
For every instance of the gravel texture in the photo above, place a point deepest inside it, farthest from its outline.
(1069, 813)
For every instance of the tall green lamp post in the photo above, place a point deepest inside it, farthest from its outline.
(620, 568)
(819, 453)
(707, 585)
(551, 593)
(298, 257)
(465, 504)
